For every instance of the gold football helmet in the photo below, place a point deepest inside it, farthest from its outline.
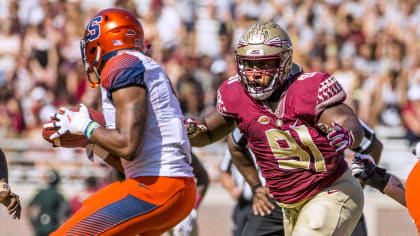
(263, 42)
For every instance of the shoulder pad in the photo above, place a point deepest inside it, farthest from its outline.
(330, 92)
(121, 69)
(229, 97)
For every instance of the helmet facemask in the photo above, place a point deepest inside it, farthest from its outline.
(89, 68)
(249, 75)
(268, 46)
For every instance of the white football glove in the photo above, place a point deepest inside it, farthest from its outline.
(185, 227)
(193, 128)
(75, 122)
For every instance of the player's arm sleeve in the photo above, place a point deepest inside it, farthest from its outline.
(201, 175)
(239, 140)
(330, 93)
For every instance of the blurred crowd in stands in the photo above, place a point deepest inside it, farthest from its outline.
(370, 46)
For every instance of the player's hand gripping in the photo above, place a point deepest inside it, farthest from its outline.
(363, 166)
(261, 204)
(75, 122)
(193, 128)
(10, 200)
(339, 137)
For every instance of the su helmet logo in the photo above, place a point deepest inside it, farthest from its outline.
(94, 28)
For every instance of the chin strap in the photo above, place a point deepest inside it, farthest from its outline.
(95, 65)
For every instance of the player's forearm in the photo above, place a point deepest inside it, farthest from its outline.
(376, 150)
(250, 175)
(244, 164)
(351, 123)
(115, 142)
(395, 189)
(200, 140)
(114, 162)
(217, 126)
(130, 121)
(201, 175)
(3, 166)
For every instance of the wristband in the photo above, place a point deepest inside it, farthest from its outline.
(4, 187)
(379, 179)
(92, 125)
(254, 189)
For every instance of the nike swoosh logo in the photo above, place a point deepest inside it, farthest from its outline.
(141, 185)
(332, 191)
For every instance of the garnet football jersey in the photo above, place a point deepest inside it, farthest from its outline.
(295, 157)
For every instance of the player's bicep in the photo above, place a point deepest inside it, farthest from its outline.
(218, 125)
(131, 114)
(337, 113)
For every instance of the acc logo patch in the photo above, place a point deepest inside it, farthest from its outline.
(264, 120)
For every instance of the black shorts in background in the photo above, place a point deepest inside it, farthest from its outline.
(268, 225)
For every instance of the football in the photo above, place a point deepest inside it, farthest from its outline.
(72, 140)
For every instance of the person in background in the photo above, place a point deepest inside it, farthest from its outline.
(189, 226)
(48, 209)
(239, 190)
(411, 115)
(265, 217)
(90, 187)
(7, 198)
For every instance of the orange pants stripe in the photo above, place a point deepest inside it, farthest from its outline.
(146, 205)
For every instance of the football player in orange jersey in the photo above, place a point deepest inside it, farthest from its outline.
(297, 126)
(144, 135)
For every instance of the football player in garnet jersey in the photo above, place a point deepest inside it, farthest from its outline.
(144, 130)
(266, 217)
(297, 127)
